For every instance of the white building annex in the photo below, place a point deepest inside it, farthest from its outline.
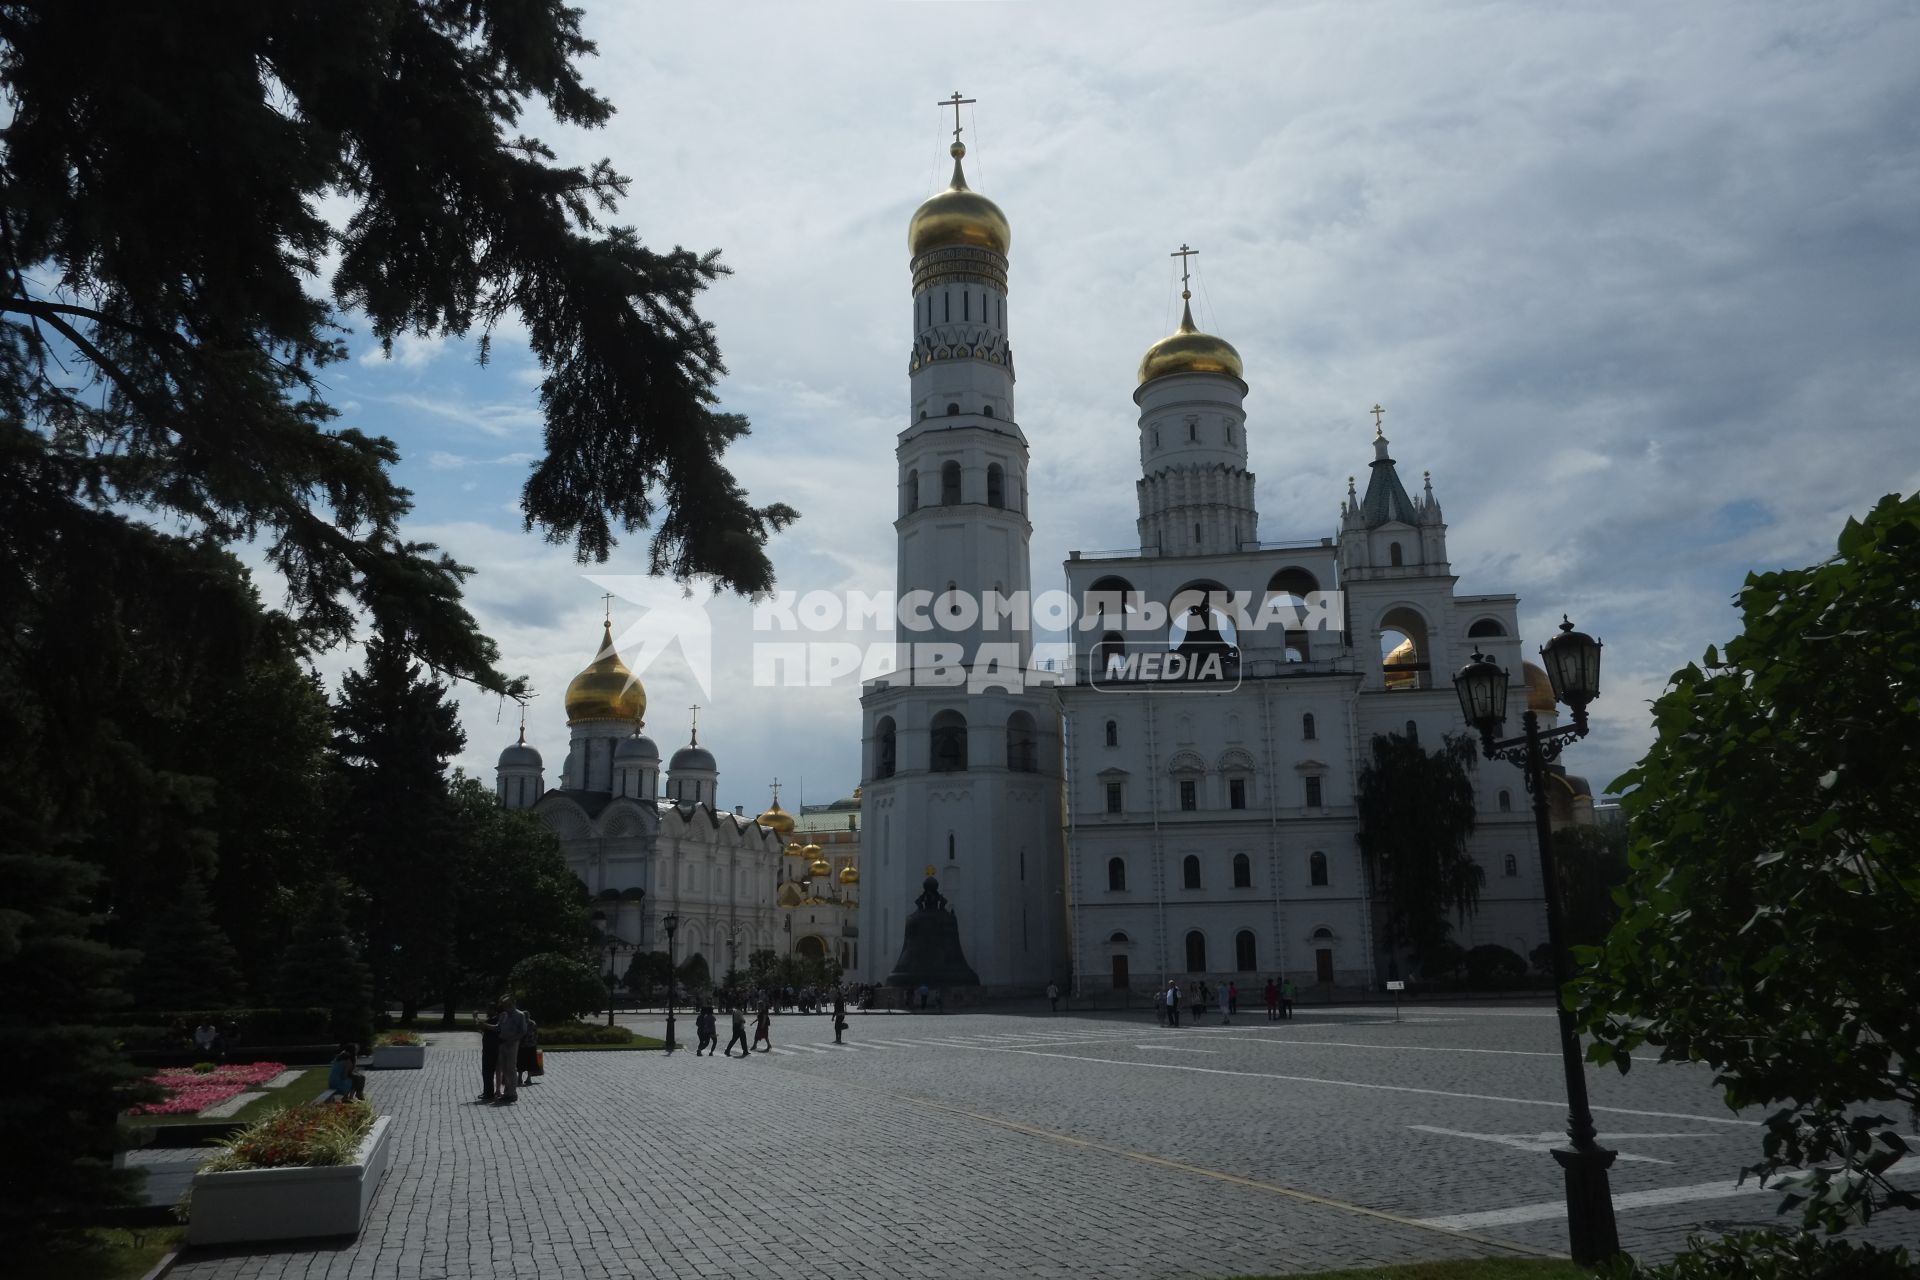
(1115, 833)
(645, 849)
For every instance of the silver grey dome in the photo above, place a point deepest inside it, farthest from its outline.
(637, 747)
(519, 756)
(697, 759)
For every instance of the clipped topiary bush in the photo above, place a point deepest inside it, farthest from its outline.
(584, 1033)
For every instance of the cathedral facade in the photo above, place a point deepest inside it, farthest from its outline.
(1103, 825)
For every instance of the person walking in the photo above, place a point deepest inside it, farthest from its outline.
(763, 1028)
(739, 1032)
(1286, 999)
(1172, 1001)
(839, 1014)
(1273, 1001)
(489, 1054)
(704, 1029)
(513, 1028)
(1053, 995)
(1231, 1005)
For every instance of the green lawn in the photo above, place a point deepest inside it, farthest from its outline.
(102, 1253)
(638, 1042)
(304, 1089)
(1460, 1269)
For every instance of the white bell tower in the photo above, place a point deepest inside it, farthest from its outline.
(962, 753)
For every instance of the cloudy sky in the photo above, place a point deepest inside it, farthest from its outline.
(1637, 283)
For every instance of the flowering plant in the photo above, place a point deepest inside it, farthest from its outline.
(190, 1089)
(397, 1039)
(312, 1134)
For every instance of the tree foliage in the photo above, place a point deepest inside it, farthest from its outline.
(186, 960)
(1769, 921)
(1590, 862)
(1416, 812)
(556, 988)
(324, 967)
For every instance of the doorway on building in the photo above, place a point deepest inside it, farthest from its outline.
(1120, 980)
(1323, 966)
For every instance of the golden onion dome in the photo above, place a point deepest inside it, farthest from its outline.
(776, 819)
(606, 690)
(958, 217)
(789, 895)
(799, 849)
(1540, 699)
(849, 874)
(820, 867)
(1187, 350)
(1403, 652)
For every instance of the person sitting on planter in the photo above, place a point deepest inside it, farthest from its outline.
(343, 1079)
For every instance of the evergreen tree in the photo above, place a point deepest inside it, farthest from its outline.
(394, 735)
(322, 966)
(186, 960)
(58, 1129)
(1416, 812)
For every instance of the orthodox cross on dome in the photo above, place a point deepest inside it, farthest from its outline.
(694, 739)
(606, 602)
(523, 724)
(1183, 253)
(1377, 413)
(956, 102)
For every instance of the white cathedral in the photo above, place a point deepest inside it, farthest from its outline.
(1116, 833)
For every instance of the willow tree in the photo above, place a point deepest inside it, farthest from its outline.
(1416, 813)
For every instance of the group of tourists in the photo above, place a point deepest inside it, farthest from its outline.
(509, 1053)
(707, 1027)
(1200, 996)
(810, 999)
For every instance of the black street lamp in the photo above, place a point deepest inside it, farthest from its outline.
(671, 923)
(614, 947)
(1572, 660)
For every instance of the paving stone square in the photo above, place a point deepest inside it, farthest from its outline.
(989, 1144)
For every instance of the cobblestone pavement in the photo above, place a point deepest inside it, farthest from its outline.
(995, 1144)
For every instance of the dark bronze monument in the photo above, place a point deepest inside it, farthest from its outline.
(931, 952)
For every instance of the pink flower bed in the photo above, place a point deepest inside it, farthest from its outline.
(192, 1091)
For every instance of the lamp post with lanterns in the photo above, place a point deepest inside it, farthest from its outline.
(670, 923)
(1572, 660)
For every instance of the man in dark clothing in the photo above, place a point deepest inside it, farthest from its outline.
(839, 1014)
(739, 1033)
(489, 1053)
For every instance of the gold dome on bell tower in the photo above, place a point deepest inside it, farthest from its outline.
(959, 216)
(606, 689)
(1186, 349)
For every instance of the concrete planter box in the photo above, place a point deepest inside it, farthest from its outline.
(398, 1057)
(289, 1204)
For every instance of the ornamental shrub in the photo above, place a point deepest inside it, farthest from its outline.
(556, 988)
(1773, 1255)
(313, 1134)
(584, 1033)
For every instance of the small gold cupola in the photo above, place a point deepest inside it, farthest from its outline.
(1186, 349)
(606, 689)
(959, 216)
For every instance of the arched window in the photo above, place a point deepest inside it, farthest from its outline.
(953, 411)
(1317, 869)
(1506, 801)
(1190, 871)
(913, 491)
(1113, 733)
(1413, 732)
(1119, 938)
(1512, 866)
(1242, 871)
(1485, 627)
(1116, 875)
(1196, 952)
(1245, 954)
(996, 486)
(1306, 726)
(949, 484)
(986, 411)
(950, 848)
(947, 745)
(1023, 747)
(1393, 554)
(1323, 934)
(885, 748)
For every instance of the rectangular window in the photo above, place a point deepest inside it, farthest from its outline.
(1189, 794)
(966, 306)
(946, 306)
(1113, 797)
(1237, 793)
(1313, 793)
